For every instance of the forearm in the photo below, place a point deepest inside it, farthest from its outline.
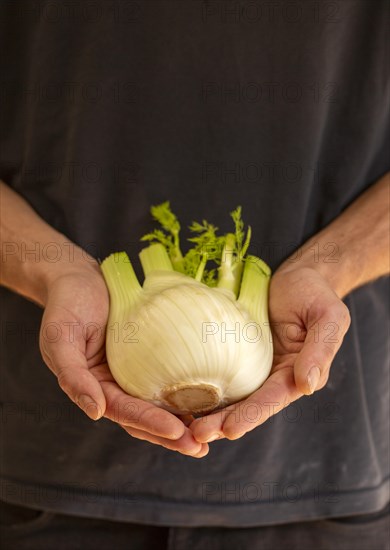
(354, 248)
(33, 254)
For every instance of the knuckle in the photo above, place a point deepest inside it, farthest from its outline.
(328, 351)
(342, 314)
(45, 355)
(130, 412)
(64, 382)
(150, 415)
(346, 316)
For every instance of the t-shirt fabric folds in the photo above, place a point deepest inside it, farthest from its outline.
(110, 107)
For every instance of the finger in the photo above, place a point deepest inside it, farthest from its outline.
(323, 340)
(185, 445)
(70, 366)
(209, 428)
(186, 419)
(132, 412)
(277, 392)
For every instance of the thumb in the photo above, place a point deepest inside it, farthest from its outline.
(325, 332)
(68, 362)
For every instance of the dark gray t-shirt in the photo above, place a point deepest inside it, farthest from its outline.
(111, 106)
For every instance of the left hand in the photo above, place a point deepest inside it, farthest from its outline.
(308, 322)
(72, 342)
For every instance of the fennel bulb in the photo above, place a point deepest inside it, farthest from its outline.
(189, 340)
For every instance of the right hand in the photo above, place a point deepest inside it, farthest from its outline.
(72, 343)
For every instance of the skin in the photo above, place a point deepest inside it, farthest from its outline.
(305, 296)
(308, 317)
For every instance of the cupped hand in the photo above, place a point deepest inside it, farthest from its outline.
(72, 343)
(308, 323)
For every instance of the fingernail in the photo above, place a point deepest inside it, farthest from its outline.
(201, 454)
(89, 407)
(192, 453)
(236, 436)
(213, 437)
(313, 378)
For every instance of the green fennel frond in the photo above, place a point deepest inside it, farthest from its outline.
(241, 246)
(160, 237)
(191, 262)
(225, 252)
(210, 277)
(239, 227)
(207, 241)
(163, 214)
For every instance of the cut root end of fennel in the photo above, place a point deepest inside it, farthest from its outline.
(191, 398)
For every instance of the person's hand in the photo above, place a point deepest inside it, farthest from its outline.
(308, 323)
(72, 343)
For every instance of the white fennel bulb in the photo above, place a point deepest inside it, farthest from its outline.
(176, 341)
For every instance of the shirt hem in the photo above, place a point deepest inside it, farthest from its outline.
(138, 509)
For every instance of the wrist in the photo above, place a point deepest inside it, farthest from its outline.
(327, 256)
(354, 249)
(34, 254)
(54, 261)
